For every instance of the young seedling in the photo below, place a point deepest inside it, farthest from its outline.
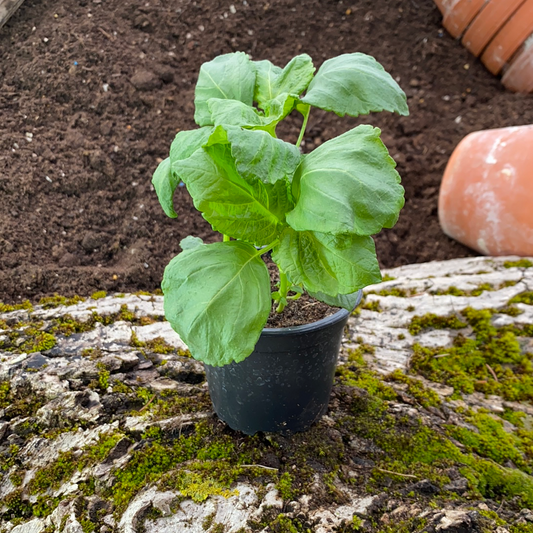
(315, 212)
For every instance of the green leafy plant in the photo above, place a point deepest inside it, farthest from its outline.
(315, 213)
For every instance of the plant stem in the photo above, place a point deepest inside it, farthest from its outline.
(304, 125)
(267, 248)
(283, 290)
(226, 238)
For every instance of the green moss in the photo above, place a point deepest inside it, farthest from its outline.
(395, 291)
(482, 288)
(17, 506)
(357, 374)
(98, 295)
(56, 473)
(156, 459)
(285, 524)
(28, 337)
(386, 277)
(6, 308)
(5, 389)
(492, 441)
(198, 487)
(20, 402)
(157, 345)
(373, 305)
(510, 310)
(119, 386)
(53, 475)
(491, 363)
(521, 263)
(525, 297)
(426, 397)
(56, 300)
(103, 377)
(430, 320)
(451, 291)
(284, 486)
(39, 343)
(126, 314)
(67, 326)
(87, 525)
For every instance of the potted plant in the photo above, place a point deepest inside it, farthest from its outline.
(314, 213)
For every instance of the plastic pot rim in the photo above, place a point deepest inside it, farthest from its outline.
(340, 315)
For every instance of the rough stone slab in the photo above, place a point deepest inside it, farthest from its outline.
(232, 512)
(68, 376)
(383, 330)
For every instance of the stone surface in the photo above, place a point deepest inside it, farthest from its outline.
(111, 382)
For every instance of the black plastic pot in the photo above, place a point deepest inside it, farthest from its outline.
(285, 384)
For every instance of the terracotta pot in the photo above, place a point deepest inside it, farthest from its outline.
(458, 14)
(500, 31)
(518, 76)
(509, 39)
(487, 24)
(486, 194)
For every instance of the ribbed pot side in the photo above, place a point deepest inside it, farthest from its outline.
(285, 384)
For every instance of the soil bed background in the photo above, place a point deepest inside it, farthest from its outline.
(93, 92)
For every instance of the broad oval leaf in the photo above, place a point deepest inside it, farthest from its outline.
(217, 298)
(346, 301)
(190, 242)
(329, 264)
(232, 206)
(260, 155)
(165, 179)
(347, 185)
(265, 82)
(187, 142)
(165, 183)
(355, 84)
(235, 113)
(229, 76)
(272, 81)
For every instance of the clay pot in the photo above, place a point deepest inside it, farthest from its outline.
(519, 76)
(458, 14)
(486, 194)
(509, 39)
(499, 31)
(487, 23)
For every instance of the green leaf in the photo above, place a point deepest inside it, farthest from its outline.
(230, 204)
(165, 183)
(272, 81)
(266, 75)
(187, 142)
(235, 113)
(280, 199)
(355, 84)
(281, 106)
(217, 298)
(346, 301)
(347, 185)
(229, 76)
(330, 264)
(258, 154)
(165, 178)
(190, 242)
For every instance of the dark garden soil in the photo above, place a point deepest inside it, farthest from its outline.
(92, 93)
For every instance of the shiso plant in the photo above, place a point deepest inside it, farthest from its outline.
(314, 212)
